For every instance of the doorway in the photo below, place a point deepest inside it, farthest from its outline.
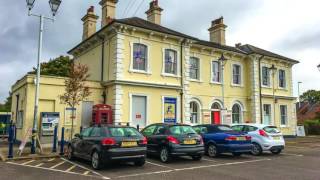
(216, 113)
(139, 108)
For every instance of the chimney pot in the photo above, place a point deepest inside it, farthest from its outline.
(89, 23)
(108, 11)
(154, 12)
(217, 31)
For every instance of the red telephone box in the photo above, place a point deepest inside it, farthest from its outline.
(102, 114)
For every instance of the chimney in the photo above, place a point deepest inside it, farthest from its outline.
(89, 23)
(218, 31)
(154, 12)
(108, 11)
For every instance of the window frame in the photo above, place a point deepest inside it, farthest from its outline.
(233, 75)
(268, 76)
(219, 72)
(240, 113)
(147, 62)
(198, 113)
(263, 113)
(285, 116)
(284, 79)
(198, 69)
(178, 66)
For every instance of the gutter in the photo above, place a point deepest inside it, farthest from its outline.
(181, 80)
(260, 91)
(102, 57)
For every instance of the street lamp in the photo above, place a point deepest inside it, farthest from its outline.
(54, 5)
(222, 60)
(273, 69)
(318, 67)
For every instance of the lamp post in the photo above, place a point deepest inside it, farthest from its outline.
(299, 93)
(273, 69)
(223, 62)
(318, 67)
(54, 5)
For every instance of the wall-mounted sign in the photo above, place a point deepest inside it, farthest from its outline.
(138, 116)
(69, 115)
(170, 110)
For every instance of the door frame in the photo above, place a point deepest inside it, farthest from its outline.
(147, 105)
(213, 111)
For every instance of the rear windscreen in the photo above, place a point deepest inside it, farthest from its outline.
(181, 130)
(224, 128)
(123, 132)
(271, 129)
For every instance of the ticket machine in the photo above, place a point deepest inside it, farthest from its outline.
(102, 114)
(48, 121)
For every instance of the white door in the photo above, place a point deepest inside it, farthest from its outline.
(267, 114)
(86, 116)
(139, 109)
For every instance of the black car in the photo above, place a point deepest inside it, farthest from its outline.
(169, 140)
(105, 144)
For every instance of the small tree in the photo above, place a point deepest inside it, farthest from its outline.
(311, 96)
(76, 90)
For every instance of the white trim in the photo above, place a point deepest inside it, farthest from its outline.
(178, 107)
(196, 100)
(241, 74)
(199, 68)
(285, 79)
(147, 105)
(242, 110)
(148, 66)
(270, 76)
(272, 122)
(287, 120)
(178, 73)
(211, 72)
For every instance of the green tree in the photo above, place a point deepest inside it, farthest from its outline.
(55, 67)
(6, 107)
(311, 96)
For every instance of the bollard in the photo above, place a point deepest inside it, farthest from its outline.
(62, 142)
(55, 137)
(81, 128)
(128, 124)
(33, 142)
(11, 131)
(138, 127)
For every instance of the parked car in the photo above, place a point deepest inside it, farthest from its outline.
(222, 139)
(170, 140)
(105, 144)
(264, 137)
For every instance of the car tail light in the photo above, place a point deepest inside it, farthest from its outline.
(248, 138)
(108, 141)
(173, 140)
(231, 138)
(144, 141)
(263, 133)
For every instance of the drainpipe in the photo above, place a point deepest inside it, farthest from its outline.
(102, 58)
(182, 76)
(261, 108)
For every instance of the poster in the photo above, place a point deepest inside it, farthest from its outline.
(68, 116)
(170, 110)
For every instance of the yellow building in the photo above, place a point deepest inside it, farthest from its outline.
(149, 73)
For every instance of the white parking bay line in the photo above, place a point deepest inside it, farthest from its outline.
(25, 163)
(86, 173)
(290, 154)
(160, 165)
(54, 166)
(52, 159)
(210, 160)
(94, 172)
(72, 167)
(38, 165)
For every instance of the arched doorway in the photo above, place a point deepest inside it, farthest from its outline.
(236, 114)
(216, 113)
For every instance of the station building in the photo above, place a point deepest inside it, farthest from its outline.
(149, 73)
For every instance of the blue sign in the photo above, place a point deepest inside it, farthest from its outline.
(170, 110)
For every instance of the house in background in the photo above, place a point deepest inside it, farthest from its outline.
(308, 111)
(149, 74)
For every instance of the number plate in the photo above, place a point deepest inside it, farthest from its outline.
(241, 138)
(276, 137)
(191, 141)
(129, 144)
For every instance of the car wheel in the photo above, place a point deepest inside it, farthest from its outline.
(140, 162)
(95, 161)
(70, 155)
(197, 157)
(164, 155)
(256, 149)
(212, 150)
(236, 154)
(277, 151)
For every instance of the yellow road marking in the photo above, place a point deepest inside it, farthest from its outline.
(57, 165)
(39, 165)
(86, 173)
(72, 167)
(25, 163)
(51, 159)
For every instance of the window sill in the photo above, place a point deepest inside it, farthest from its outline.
(140, 72)
(268, 87)
(215, 83)
(284, 89)
(237, 85)
(196, 80)
(284, 126)
(170, 75)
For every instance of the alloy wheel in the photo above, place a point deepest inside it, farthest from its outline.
(95, 160)
(69, 153)
(256, 150)
(212, 150)
(164, 155)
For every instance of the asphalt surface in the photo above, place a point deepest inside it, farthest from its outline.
(300, 161)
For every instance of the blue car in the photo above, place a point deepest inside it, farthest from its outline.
(222, 139)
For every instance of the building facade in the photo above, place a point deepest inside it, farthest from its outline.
(149, 73)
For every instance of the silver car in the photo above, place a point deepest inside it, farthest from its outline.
(264, 137)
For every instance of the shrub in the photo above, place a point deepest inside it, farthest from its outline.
(312, 127)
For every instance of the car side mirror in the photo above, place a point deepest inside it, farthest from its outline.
(78, 136)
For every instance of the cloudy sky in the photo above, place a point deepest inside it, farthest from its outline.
(288, 27)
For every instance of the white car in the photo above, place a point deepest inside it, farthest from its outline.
(264, 137)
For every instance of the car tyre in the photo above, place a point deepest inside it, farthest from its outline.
(96, 160)
(70, 155)
(277, 151)
(140, 162)
(164, 155)
(197, 157)
(212, 150)
(256, 149)
(236, 154)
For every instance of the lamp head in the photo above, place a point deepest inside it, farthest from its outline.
(54, 5)
(30, 4)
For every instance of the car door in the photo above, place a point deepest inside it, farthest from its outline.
(159, 137)
(251, 131)
(148, 133)
(80, 143)
(93, 139)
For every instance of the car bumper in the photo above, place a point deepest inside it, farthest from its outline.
(235, 148)
(124, 153)
(187, 150)
(268, 146)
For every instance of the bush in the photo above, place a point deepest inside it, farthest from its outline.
(312, 127)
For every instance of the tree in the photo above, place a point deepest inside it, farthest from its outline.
(55, 67)
(76, 89)
(6, 107)
(311, 96)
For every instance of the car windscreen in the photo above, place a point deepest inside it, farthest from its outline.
(271, 129)
(224, 128)
(181, 130)
(124, 132)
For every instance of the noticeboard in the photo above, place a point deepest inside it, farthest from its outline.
(170, 110)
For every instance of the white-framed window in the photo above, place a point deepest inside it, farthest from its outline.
(170, 62)
(236, 114)
(282, 78)
(283, 115)
(216, 72)
(267, 114)
(236, 74)
(194, 68)
(19, 123)
(265, 76)
(140, 57)
(194, 112)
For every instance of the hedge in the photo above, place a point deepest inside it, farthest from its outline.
(312, 127)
